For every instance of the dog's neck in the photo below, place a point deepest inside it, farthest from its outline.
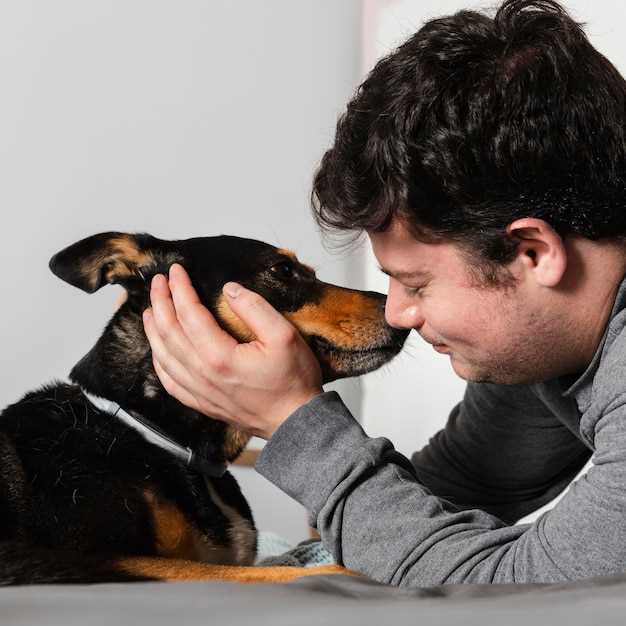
(153, 435)
(119, 368)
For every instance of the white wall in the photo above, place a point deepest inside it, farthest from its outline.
(413, 403)
(176, 118)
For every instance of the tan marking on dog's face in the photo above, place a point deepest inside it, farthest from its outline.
(288, 253)
(235, 441)
(346, 318)
(233, 324)
(124, 257)
(292, 256)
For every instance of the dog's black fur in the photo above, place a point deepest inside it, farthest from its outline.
(80, 491)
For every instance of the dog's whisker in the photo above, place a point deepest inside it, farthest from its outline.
(111, 446)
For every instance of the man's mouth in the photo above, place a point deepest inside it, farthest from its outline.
(437, 345)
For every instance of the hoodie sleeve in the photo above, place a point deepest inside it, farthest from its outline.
(377, 516)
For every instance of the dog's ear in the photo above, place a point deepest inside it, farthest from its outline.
(106, 258)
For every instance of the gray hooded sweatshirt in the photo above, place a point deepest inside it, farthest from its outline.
(448, 515)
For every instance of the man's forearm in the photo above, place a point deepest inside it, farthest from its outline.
(376, 518)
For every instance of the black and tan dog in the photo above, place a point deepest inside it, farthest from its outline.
(85, 496)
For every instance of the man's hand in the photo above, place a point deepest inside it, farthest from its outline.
(255, 385)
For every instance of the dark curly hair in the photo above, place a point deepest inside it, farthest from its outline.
(475, 122)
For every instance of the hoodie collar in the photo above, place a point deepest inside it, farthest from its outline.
(581, 388)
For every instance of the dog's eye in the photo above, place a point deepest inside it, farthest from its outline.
(283, 269)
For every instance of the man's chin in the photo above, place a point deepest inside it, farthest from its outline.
(464, 371)
(495, 375)
(471, 373)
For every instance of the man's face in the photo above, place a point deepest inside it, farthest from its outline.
(506, 335)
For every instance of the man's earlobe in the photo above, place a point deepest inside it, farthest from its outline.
(540, 249)
(105, 258)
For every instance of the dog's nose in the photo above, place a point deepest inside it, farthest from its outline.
(400, 334)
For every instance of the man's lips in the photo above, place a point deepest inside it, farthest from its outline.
(438, 346)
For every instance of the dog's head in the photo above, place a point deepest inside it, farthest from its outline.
(345, 328)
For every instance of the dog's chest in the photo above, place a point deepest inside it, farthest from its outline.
(176, 537)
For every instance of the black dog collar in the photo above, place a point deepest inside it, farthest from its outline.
(154, 436)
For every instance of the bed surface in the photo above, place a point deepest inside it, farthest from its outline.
(336, 600)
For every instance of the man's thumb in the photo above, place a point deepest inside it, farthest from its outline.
(263, 320)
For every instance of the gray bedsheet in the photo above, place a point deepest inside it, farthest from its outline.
(336, 600)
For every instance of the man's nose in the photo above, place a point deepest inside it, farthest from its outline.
(402, 314)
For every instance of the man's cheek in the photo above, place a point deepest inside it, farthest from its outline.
(450, 327)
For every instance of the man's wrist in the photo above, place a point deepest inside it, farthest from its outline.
(311, 448)
(288, 409)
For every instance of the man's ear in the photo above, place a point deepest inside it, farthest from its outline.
(540, 249)
(106, 258)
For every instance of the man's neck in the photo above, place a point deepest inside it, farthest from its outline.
(598, 268)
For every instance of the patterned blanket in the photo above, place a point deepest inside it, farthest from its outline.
(274, 550)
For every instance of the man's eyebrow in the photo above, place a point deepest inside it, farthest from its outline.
(404, 275)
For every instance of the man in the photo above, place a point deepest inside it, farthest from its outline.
(485, 160)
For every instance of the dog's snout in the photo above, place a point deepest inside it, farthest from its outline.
(379, 300)
(399, 335)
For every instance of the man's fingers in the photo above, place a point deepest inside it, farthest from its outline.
(180, 372)
(174, 389)
(177, 380)
(195, 319)
(165, 320)
(259, 315)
